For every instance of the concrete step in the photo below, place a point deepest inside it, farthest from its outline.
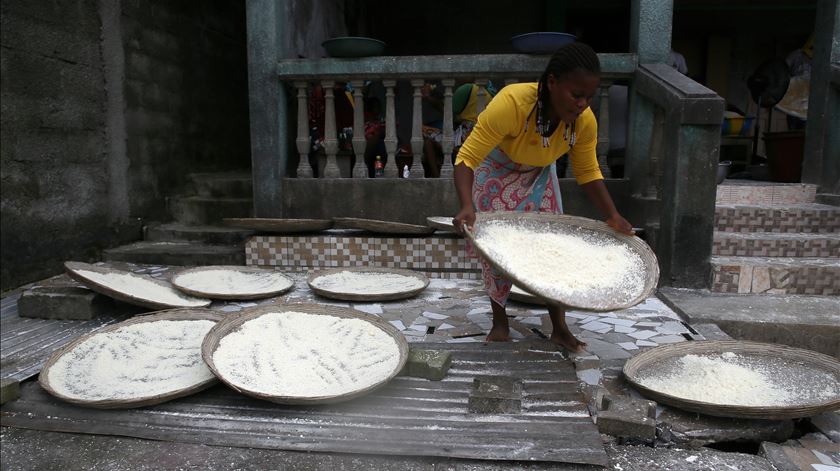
(771, 244)
(809, 322)
(203, 210)
(177, 232)
(224, 185)
(776, 275)
(808, 218)
(176, 253)
(758, 192)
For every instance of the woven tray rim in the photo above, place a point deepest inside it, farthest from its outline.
(280, 225)
(527, 298)
(635, 243)
(382, 227)
(170, 314)
(644, 359)
(233, 322)
(440, 226)
(71, 269)
(237, 268)
(368, 297)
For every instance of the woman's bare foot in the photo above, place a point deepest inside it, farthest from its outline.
(567, 341)
(498, 334)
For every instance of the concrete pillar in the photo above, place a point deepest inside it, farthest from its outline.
(821, 163)
(267, 99)
(650, 29)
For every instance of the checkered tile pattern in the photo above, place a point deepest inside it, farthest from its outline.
(444, 256)
(814, 219)
(779, 194)
(814, 280)
(769, 247)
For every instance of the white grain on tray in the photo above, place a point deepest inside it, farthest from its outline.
(565, 265)
(143, 287)
(354, 282)
(232, 282)
(730, 379)
(306, 355)
(135, 361)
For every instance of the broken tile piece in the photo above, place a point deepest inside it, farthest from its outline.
(398, 324)
(445, 326)
(537, 321)
(434, 315)
(623, 329)
(643, 334)
(418, 327)
(596, 326)
(616, 321)
(369, 308)
(646, 343)
(628, 345)
(667, 339)
(464, 339)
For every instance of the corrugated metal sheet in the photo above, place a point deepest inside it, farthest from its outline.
(26, 344)
(409, 416)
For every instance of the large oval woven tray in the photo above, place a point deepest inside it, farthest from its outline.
(561, 223)
(778, 357)
(233, 322)
(280, 225)
(262, 282)
(138, 299)
(172, 315)
(382, 227)
(352, 296)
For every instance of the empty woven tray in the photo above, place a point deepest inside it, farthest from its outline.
(143, 290)
(232, 282)
(135, 349)
(325, 358)
(806, 375)
(327, 283)
(382, 227)
(280, 225)
(529, 263)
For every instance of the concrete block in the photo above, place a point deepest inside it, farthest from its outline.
(586, 362)
(63, 302)
(429, 364)
(625, 417)
(9, 390)
(495, 395)
(696, 430)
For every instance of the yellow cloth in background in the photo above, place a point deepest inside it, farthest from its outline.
(502, 124)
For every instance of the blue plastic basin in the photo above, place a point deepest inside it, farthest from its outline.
(541, 42)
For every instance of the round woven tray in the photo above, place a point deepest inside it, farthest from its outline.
(524, 297)
(280, 225)
(367, 297)
(562, 223)
(656, 357)
(234, 321)
(443, 223)
(169, 315)
(382, 227)
(179, 282)
(72, 270)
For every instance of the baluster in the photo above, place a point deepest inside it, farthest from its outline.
(447, 143)
(390, 129)
(510, 81)
(330, 133)
(656, 146)
(359, 140)
(481, 94)
(603, 146)
(304, 170)
(416, 168)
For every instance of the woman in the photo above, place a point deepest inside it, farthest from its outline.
(508, 162)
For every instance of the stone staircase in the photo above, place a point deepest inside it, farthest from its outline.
(773, 238)
(196, 236)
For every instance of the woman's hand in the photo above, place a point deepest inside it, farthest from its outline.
(620, 224)
(465, 217)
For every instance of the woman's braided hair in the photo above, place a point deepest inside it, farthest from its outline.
(566, 59)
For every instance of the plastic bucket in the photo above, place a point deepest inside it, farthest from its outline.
(784, 155)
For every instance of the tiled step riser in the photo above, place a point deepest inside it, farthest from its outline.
(207, 211)
(756, 279)
(223, 187)
(158, 234)
(430, 254)
(744, 220)
(758, 194)
(192, 259)
(742, 247)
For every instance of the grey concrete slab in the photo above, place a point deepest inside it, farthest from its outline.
(809, 322)
(690, 430)
(643, 458)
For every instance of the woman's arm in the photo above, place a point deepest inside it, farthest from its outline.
(597, 192)
(463, 186)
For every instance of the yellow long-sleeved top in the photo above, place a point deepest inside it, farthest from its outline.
(502, 124)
